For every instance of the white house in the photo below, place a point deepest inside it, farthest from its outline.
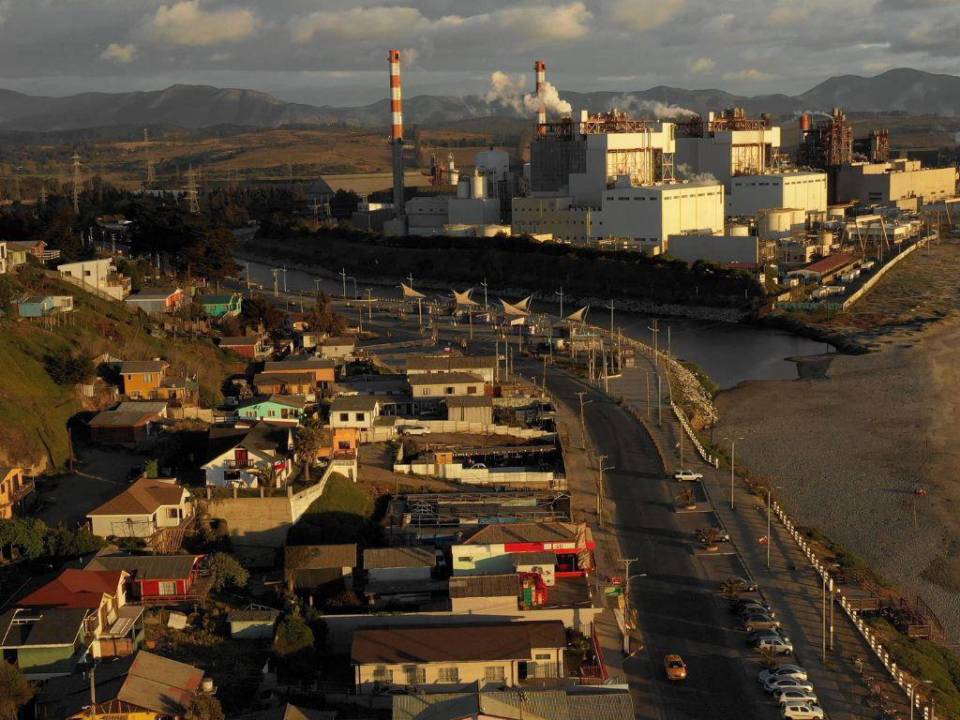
(142, 509)
(98, 275)
(247, 457)
(354, 411)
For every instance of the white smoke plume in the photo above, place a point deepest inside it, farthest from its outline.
(507, 90)
(682, 171)
(659, 110)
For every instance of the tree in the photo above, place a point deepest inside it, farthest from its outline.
(310, 440)
(15, 691)
(69, 369)
(293, 646)
(62, 542)
(204, 707)
(22, 536)
(226, 571)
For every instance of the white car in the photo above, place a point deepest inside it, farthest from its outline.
(802, 711)
(787, 684)
(794, 697)
(779, 645)
(415, 430)
(782, 671)
(687, 476)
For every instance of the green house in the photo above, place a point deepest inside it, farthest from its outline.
(289, 409)
(217, 306)
(44, 642)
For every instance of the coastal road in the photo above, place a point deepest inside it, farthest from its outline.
(674, 590)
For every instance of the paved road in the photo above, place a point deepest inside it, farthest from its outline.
(678, 605)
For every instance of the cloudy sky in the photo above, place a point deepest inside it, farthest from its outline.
(333, 51)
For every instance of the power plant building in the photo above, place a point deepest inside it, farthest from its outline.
(749, 194)
(895, 182)
(557, 217)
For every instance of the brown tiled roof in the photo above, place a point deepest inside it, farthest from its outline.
(504, 533)
(468, 586)
(454, 643)
(398, 557)
(160, 684)
(319, 557)
(345, 403)
(141, 498)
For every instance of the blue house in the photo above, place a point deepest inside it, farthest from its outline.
(216, 306)
(288, 409)
(42, 305)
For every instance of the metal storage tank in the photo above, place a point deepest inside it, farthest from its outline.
(737, 230)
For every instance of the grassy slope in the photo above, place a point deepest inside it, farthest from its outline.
(34, 410)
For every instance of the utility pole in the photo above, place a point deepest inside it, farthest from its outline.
(76, 183)
(611, 320)
(659, 402)
(151, 172)
(583, 423)
(284, 279)
(627, 562)
(769, 539)
(656, 331)
(484, 286)
(600, 469)
(276, 281)
(823, 616)
(733, 461)
(560, 293)
(669, 344)
(247, 266)
(343, 274)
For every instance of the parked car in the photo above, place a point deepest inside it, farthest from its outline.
(752, 623)
(805, 711)
(675, 667)
(779, 645)
(782, 671)
(415, 430)
(794, 696)
(708, 535)
(687, 476)
(788, 684)
(755, 608)
(745, 584)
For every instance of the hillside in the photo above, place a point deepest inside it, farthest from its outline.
(197, 106)
(34, 410)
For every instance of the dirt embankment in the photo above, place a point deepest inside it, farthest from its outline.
(850, 442)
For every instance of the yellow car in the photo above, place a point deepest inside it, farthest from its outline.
(675, 667)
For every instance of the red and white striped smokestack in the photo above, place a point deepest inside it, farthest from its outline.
(396, 95)
(540, 69)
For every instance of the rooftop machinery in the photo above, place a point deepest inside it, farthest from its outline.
(827, 143)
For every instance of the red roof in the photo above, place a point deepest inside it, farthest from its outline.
(830, 264)
(75, 589)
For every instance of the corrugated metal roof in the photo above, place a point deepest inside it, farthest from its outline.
(524, 533)
(526, 704)
(398, 557)
(470, 586)
(443, 377)
(147, 567)
(160, 684)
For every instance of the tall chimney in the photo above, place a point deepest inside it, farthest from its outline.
(396, 112)
(540, 68)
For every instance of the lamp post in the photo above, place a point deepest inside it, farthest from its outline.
(560, 293)
(483, 284)
(583, 424)
(733, 459)
(601, 468)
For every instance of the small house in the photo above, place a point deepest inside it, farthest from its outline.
(434, 656)
(248, 457)
(139, 378)
(354, 411)
(280, 409)
(36, 306)
(248, 346)
(128, 427)
(309, 567)
(218, 306)
(482, 365)
(284, 384)
(146, 506)
(470, 408)
(398, 564)
(484, 593)
(155, 301)
(337, 348)
(435, 386)
(254, 624)
(155, 579)
(15, 489)
(99, 275)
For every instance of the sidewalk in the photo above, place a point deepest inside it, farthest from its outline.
(791, 586)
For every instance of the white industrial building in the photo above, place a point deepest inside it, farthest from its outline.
(648, 215)
(727, 145)
(894, 182)
(556, 217)
(749, 194)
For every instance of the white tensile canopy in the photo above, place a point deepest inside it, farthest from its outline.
(524, 304)
(409, 292)
(513, 310)
(580, 315)
(463, 299)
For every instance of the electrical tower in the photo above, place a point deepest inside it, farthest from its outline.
(76, 183)
(43, 192)
(151, 172)
(193, 195)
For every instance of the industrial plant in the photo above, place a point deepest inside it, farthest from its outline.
(719, 187)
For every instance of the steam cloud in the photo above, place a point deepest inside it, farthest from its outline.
(685, 172)
(659, 110)
(508, 89)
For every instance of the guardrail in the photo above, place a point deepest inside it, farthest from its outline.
(871, 637)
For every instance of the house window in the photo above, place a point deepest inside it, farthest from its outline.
(448, 675)
(465, 559)
(168, 588)
(414, 675)
(148, 377)
(360, 417)
(344, 417)
(284, 413)
(542, 656)
(471, 390)
(494, 673)
(448, 390)
(173, 513)
(271, 413)
(382, 674)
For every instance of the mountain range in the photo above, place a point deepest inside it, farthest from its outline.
(903, 90)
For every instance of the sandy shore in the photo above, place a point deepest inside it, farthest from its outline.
(849, 450)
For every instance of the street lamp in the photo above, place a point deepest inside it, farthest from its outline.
(733, 458)
(600, 469)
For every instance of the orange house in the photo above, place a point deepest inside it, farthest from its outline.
(14, 487)
(342, 442)
(323, 371)
(141, 378)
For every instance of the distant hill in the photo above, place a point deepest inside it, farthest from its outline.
(199, 106)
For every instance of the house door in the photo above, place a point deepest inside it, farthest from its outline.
(524, 669)
(240, 457)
